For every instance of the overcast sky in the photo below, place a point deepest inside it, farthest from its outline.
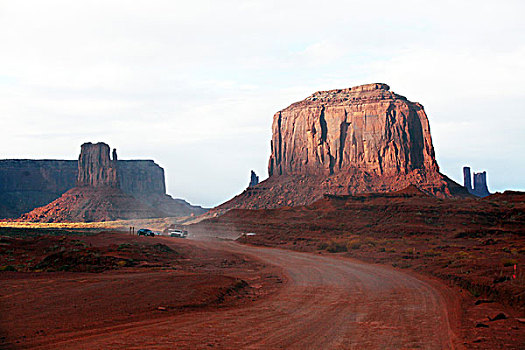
(194, 84)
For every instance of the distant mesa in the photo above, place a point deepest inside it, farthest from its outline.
(94, 188)
(362, 139)
(480, 188)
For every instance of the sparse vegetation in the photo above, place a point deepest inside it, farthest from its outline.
(509, 262)
(431, 253)
(337, 246)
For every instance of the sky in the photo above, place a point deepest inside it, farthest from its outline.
(194, 84)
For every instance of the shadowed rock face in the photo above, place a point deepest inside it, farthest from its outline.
(480, 183)
(27, 184)
(348, 141)
(95, 168)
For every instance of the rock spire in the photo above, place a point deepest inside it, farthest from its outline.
(95, 168)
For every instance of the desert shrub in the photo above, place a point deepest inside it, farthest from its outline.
(431, 253)
(7, 268)
(162, 248)
(408, 251)
(353, 244)
(322, 246)
(336, 247)
(369, 241)
(124, 246)
(463, 255)
(475, 290)
(470, 234)
(509, 262)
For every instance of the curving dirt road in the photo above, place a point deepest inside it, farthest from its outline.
(326, 303)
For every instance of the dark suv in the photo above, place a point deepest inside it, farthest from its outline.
(145, 232)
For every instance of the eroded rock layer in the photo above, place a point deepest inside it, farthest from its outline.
(361, 139)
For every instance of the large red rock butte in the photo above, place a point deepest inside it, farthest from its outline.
(347, 141)
(100, 196)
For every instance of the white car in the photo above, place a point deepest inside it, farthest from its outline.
(179, 233)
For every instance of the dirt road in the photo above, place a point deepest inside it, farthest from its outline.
(325, 303)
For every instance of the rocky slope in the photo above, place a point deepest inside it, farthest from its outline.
(347, 141)
(88, 204)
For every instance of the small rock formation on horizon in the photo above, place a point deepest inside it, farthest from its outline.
(348, 141)
(254, 179)
(480, 183)
(100, 196)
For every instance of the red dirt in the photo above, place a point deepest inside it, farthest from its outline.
(470, 244)
(166, 277)
(325, 303)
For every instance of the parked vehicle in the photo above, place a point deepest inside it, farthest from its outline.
(179, 233)
(145, 232)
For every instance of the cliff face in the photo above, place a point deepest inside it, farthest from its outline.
(367, 128)
(95, 168)
(141, 177)
(348, 141)
(27, 184)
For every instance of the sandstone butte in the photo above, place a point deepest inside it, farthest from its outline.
(348, 141)
(98, 195)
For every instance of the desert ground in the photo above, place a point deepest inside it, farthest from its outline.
(285, 284)
(197, 294)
